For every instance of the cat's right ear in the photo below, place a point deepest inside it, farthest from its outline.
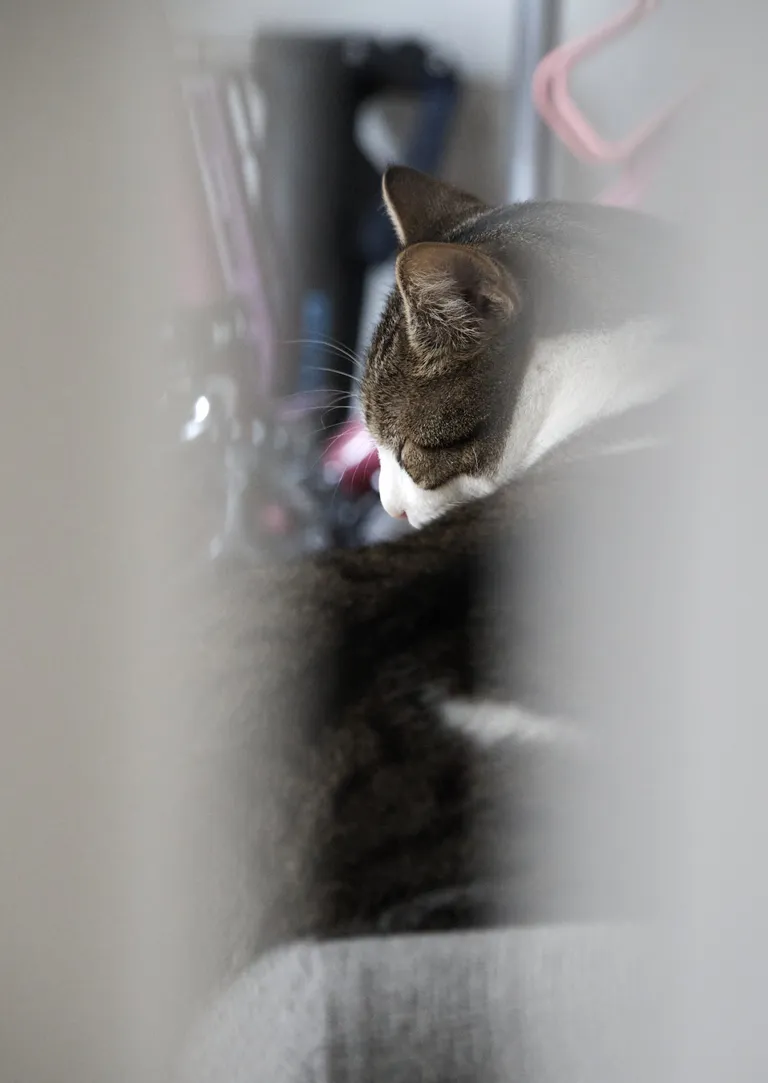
(421, 207)
(456, 300)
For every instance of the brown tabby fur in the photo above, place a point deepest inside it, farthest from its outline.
(555, 268)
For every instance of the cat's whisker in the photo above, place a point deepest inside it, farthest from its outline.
(338, 372)
(357, 380)
(340, 350)
(340, 346)
(359, 464)
(329, 344)
(343, 396)
(347, 351)
(316, 432)
(336, 488)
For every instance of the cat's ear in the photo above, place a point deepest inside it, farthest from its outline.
(456, 298)
(422, 208)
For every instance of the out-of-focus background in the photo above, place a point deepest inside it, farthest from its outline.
(476, 39)
(295, 111)
(290, 114)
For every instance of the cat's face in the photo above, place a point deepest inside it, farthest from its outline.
(434, 430)
(435, 392)
(508, 331)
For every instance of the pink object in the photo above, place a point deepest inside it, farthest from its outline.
(351, 458)
(200, 281)
(276, 519)
(552, 98)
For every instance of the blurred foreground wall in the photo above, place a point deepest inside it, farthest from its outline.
(712, 868)
(88, 908)
(722, 865)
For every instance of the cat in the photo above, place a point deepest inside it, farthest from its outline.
(509, 331)
(378, 732)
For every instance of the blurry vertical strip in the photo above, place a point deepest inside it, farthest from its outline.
(723, 902)
(596, 637)
(684, 710)
(536, 29)
(92, 912)
(227, 160)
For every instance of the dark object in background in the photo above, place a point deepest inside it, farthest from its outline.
(320, 198)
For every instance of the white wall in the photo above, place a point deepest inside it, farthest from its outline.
(479, 34)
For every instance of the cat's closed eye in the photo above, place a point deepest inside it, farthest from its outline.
(430, 467)
(451, 438)
(447, 445)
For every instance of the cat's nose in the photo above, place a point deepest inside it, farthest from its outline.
(390, 496)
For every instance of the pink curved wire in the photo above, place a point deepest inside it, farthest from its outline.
(552, 98)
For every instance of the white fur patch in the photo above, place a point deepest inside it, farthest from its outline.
(575, 380)
(487, 723)
(400, 495)
(571, 382)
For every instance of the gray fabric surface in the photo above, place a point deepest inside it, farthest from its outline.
(531, 1005)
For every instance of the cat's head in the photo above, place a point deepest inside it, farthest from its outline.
(437, 376)
(508, 329)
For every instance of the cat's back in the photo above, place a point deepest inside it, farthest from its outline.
(597, 264)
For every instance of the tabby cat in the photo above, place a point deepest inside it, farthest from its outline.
(381, 731)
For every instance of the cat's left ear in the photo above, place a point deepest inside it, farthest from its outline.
(456, 299)
(423, 208)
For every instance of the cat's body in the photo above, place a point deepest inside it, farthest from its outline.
(383, 730)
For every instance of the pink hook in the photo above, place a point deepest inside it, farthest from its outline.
(553, 100)
(554, 103)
